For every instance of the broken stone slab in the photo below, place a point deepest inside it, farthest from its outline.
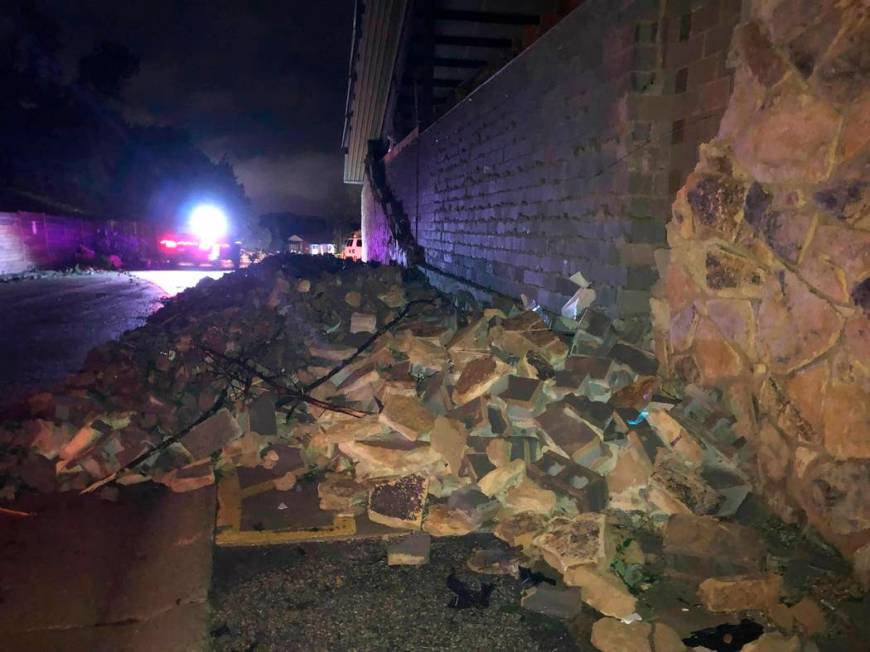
(211, 435)
(520, 529)
(399, 503)
(343, 494)
(567, 542)
(594, 333)
(448, 438)
(498, 450)
(500, 480)
(527, 320)
(584, 487)
(740, 592)
(529, 497)
(442, 521)
(189, 478)
(602, 590)
(718, 547)
(494, 562)
(809, 616)
(676, 437)
(552, 601)
(477, 378)
(407, 415)
(568, 434)
(773, 642)
(612, 635)
(426, 358)
(351, 430)
(412, 550)
(390, 459)
(676, 488)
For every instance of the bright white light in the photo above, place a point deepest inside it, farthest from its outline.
(208, 223)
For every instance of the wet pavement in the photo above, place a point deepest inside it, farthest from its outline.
(48, 325)
(343, 596)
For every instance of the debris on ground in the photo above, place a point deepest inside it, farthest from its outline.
(368, 392)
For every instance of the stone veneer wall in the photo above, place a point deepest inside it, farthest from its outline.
(561, 161)
(766, 295)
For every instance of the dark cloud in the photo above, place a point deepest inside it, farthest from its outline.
(261, 82)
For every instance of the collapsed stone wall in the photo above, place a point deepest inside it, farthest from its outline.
(766, 293)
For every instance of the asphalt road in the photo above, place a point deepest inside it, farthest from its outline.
(48, 325)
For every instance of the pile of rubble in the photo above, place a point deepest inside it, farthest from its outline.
(434, 419)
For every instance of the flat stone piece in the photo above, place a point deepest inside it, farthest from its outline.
(500, 479)
(568, 542)
(520, 529)
(212, 434)
(552, 601)
(595, 413)
(719, 542)
(399, 503)
(476, 379)
(612, 635)
(448, 438)
(740, 592)
(407, 415)
(525, 321)
(642, 362)
(568, 432)
(494, 562)
(443, 521)
(602, 590)
(413, 550)
(585, 487)
(361, 322)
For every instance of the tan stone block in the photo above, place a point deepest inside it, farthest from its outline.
(789, 140)
(382, 460)
(499, 451)
(441, 521)
(740, 592)
(407, 415)
(716, 359)
(568, 542)
(398, 503)
(612, 635)
(477, 378)
(666, 639)
(847, 421)
(794, 325)
(735, 319)
(682, 329)
(773, 642)
(520, 529)
(809, 616)
(499, 480)
(448, 438)
(529, 497)
(602, 590)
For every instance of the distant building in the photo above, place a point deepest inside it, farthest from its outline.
(296, 245)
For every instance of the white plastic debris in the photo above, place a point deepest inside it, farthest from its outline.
(582, 299)
(282, 506)
(578, 279)
(632, 618)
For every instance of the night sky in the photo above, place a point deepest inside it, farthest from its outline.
(262, 82)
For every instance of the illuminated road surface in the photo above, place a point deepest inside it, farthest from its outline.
(174, 281)
(48, 325)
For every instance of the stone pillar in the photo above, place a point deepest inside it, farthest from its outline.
(375, 228)
(766, 293)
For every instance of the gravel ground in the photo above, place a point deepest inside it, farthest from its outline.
(343, 596)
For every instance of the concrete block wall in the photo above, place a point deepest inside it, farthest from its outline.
(562, 161)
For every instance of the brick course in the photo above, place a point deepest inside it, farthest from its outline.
(562, 161)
